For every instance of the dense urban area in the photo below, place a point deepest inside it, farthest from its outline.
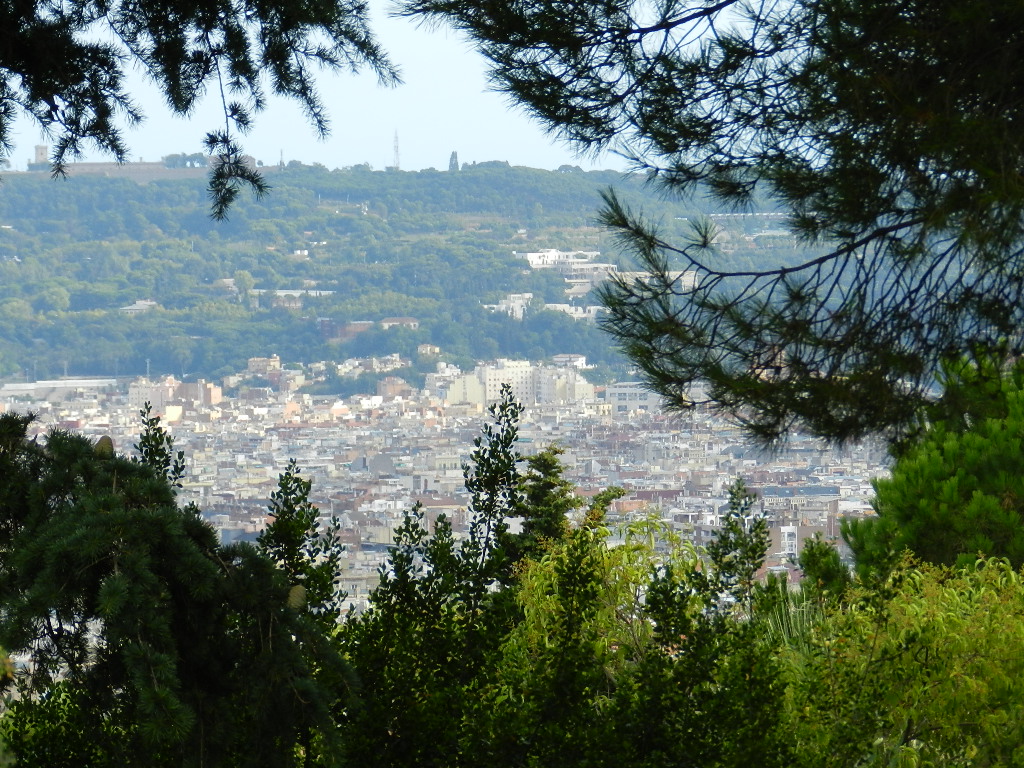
(371, 457)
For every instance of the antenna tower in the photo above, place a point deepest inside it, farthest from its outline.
(396, 151)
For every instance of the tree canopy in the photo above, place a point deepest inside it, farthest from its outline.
(137, 639)
(141, 638)
(64, 65)
(955, 492)
(890, 134)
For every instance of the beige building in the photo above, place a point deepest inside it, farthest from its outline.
(531, 384)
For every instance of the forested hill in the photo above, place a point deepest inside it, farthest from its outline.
(430, 245)
(87, 207)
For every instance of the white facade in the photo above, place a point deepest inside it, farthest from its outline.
(157, 393)
(629, 396)
(531, 384)
(519, 374)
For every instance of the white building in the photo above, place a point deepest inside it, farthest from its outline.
(531, 384)
(630, 396)
(157, 393)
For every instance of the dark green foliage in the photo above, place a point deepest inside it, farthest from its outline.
(580, 655)
(434, 620)
(545, 501)
(146, 638)
(310, 558)
(888, 133)
(156, 449)
(539, 695)
(412, 655)
(492, 480)
(629, 656)
(738, 550)
(70, 81)
(444, 249)
(956, 491)
(824, 571)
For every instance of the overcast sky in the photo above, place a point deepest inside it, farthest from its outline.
(443, 106)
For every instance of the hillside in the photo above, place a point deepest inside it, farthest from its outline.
(345, 245)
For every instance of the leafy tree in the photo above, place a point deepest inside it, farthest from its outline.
(889, 135)
(825, 574)
(432, 622)
(738, 549)
(310, 559)
(492, 480)
(244, 283)
(428, 644)
(546, 499)
(68, 79)
(551, 646)
(924, 673)
(540, 704)
(145, 640)
(156, 449)
(626, 655)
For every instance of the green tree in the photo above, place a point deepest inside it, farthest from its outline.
(886, 133)
(957, 492)
(310, 559)
(156, 449)
(546, 499)
(924, 673)
(627, 655)
(825, 574)
(145, 640)
(244, 283)
(561, 648)
(426, 649)
(70, 81)
(434, 619)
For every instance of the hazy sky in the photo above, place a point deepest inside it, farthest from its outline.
(443, 106)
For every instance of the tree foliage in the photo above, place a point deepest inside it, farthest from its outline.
(140, 640)
(143, 639)
(550, 646)
(888, 132)
(433, 620)
(627, 655)
(64, 67)
(309, 557)
(956, 492)
(446, 241)
(924, 672)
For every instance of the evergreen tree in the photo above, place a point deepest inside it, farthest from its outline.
(556, 648)
(145, 641)
(70, 81)
(310, 559)
(887, 133)
(546, 498)
(955, 492)
(435, 619)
